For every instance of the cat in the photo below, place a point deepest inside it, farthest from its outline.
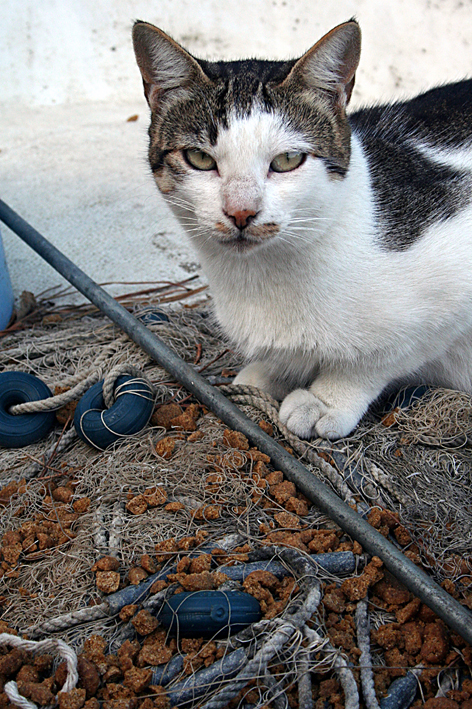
(338, 248)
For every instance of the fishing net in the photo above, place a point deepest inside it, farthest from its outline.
(96, 542)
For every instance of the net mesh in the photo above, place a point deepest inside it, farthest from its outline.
(164, 494)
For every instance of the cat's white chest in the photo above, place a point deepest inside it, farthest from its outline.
(269, 306)
(260, 322)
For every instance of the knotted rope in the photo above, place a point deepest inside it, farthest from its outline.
(56, 402)
(285, 629)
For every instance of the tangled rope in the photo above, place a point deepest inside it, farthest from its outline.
(277, 634)
(239, 394)
(76, 384)
(110, 393)
(285, 629)
(58, 647)
(246, 395)
(73, 394)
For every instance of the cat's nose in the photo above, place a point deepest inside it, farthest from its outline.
(241, 217)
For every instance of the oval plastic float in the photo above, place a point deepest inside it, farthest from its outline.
(99, 426)
(23, 429)
(152, 317)
(408, 396)
(209, 613)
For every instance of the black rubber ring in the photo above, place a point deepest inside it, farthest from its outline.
(99, 426)
(21, 430)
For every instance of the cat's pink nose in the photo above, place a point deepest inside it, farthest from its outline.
(242, 217)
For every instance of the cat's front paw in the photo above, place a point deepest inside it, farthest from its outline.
(300, 412)
(308, 417)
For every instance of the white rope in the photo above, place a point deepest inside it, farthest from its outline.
(80, 382)
(11, 690)
(56, 402)
(305, 697)
(345, 676)
(52, 645)
(109, 382)
(69, 620)
(365, 660)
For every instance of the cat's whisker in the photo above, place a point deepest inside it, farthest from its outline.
(308, 228)
(195, 230)
(311, 217)
(181, 203)
(296, 237)
(309, 220)
(189, 221)
(302, 230)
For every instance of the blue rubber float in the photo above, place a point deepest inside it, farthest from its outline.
(23, 429)
(209, 613)
(401, 692)
(409, 396)
(152, 317)
(133, 407)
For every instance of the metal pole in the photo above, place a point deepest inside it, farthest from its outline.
(414, 578)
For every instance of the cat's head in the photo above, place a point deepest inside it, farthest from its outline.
(240, 149)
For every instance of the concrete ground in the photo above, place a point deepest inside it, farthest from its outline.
(73, 165)
(78, 174)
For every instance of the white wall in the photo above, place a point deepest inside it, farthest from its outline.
(54, 51)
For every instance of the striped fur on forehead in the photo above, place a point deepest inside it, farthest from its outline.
(199, 110)
(195, 116)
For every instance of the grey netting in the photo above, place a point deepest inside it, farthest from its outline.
(419, 467)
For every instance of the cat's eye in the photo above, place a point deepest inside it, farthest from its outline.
(285, 162)
(199, 159)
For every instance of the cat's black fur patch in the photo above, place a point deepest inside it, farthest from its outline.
(240, 82)
(411, 191)
(259, 70)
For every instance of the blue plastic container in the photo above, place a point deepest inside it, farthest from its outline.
(6, 292)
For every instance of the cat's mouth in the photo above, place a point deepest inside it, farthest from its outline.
(246, 239)
(240, 243)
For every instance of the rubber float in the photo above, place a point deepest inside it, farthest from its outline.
(133, 407)
(21, 430)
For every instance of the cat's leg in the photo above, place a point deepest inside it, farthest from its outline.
(332, 406)
(258, 374)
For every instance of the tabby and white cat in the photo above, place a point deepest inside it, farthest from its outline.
(338, 248)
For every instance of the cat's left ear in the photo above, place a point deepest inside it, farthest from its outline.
(330, 65)
(164, 64)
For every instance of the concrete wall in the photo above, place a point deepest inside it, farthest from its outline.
(55, 51)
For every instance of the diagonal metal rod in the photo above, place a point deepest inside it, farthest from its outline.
(415, 579)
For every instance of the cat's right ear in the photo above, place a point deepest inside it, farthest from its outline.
(330, 66)
(164, 64)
